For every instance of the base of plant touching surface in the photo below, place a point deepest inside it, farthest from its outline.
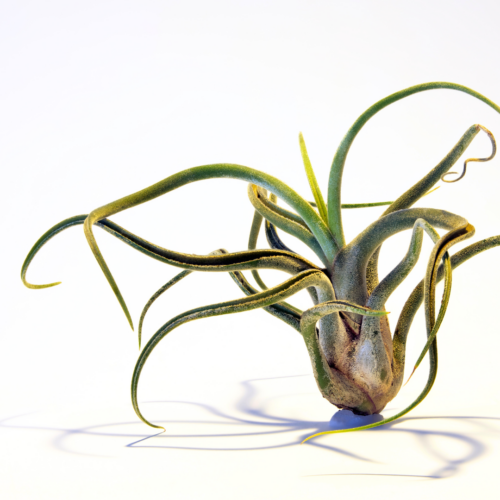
(346, 419)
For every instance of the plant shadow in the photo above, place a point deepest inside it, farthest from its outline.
(263, 423)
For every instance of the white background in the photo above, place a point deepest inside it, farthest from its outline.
(100, 99)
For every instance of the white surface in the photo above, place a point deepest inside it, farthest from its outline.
(99, 99)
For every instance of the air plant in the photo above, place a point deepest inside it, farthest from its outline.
(358, 364)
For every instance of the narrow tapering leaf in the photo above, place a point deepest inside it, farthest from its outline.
(268, 297)
(318, 197)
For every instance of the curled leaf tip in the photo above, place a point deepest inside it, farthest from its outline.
(492, 155)
(156, 427)
(39, 287)
(453, 173)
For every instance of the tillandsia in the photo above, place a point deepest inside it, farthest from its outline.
(357, 362)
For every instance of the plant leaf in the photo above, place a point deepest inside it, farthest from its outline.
(318, 197)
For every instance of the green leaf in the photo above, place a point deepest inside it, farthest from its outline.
(318, 197)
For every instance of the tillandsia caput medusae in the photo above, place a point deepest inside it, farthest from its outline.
(358, 364)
